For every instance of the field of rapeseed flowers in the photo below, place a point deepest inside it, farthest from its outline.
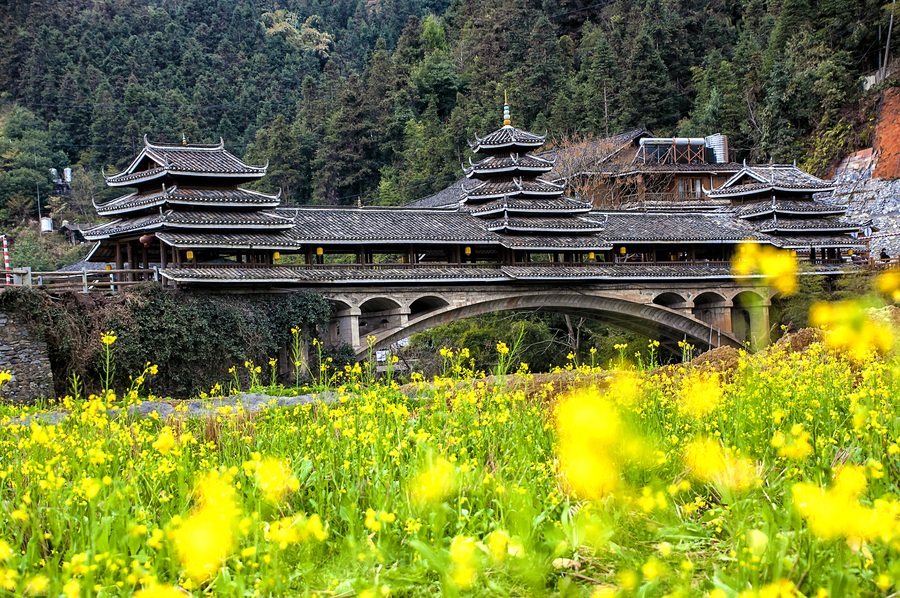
(777, 477)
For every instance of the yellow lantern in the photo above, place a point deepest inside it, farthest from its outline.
(403, 260)
(190, 255)
(850, 252)
(622, 250)
(468, 251)
(276, 255)
(108, 267)
(591, 255)
(319, 251)
(672, 257)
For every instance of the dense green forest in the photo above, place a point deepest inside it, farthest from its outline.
(374, 100)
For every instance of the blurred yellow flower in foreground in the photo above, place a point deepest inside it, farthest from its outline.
(589, 429)
(159, 591)
(888, 284)
(165, 442)
(837, 513)
(205, 539)
(710, 463)
(203, 542)
(700, 394)
(434, 483)
(852, 328)
(778, 266)
(274, 479)
(462, 554)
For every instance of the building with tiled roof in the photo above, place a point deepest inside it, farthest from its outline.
(505, 220)
(777, 201)
(187, 208)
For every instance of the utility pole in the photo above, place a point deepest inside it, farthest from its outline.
(887, 47)
(37, 183)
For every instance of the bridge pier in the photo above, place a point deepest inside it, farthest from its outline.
(344, 328)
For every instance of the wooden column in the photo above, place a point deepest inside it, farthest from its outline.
(120, 260)
(162, 255)
(130, 252)
(145, 259)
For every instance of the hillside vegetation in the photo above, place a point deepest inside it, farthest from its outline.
(374, 101)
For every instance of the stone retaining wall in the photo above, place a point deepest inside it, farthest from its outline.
(27, 359)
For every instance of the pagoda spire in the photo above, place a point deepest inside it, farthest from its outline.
(506, 121)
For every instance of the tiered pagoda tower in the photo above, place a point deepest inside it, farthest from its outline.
(777, 200)
(512, 200)
(188, 208)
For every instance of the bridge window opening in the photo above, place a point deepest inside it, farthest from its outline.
(424, 305)
(670, 300)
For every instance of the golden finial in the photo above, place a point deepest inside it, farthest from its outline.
(506, 120)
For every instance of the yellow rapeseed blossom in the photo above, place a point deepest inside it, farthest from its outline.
(159, 591)
(108, 338)
(888, 284)
(498, 542)
(462, 555)
(37, 585)
(502, 349)
(589, 429)
(778, 266)
(165, 441)
(700, 394)
(710, 463)
(837, 513)
(203, 542)
(274, 479)
(851, 329)
(296, 529)
(434, 483)
(72, 589)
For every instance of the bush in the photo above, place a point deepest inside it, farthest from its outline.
(194, 338)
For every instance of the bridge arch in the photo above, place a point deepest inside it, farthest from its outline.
(425, 304)
(379, 313)
(670, 300)
(650, 320)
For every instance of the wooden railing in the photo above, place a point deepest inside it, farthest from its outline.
(83, 281)
(86, 281)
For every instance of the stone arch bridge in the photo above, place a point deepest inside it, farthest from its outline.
(705, 314)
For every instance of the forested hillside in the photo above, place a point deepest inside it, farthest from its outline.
(374, 100)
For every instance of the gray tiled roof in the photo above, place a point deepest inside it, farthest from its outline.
(819, 241)
(254, 219)
(507, 136)
(588, 242)
(191, 159)
(761, 178)
(228, 239)
(680, 205)
(495, 164)
(445, 198)
(283, 274)
(544, 206)
(545, 224)
(226, 220)
(325, 275)
(787, 207)
(497, 189)
(629, 226)
(618, 271)
(703, 167)
(387, 225)
(805, 224)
